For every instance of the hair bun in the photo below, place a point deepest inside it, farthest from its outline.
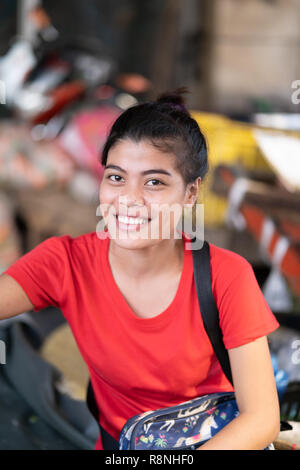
(174, 99)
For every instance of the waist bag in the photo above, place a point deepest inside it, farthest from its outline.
(189, 424)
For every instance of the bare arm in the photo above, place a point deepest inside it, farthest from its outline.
(259, 420)
(13, 299)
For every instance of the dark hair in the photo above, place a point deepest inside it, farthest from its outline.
(168, 125)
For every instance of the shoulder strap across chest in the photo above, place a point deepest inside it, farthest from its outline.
(208, 307)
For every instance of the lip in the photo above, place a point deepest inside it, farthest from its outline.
(132, 216)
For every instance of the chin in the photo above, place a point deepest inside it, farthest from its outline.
(133, 240)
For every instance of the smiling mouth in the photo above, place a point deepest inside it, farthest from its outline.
(131, 222)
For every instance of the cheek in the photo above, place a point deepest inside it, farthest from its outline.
(172, 216)
(166, 205)
(106, 199)
(107, 194)
(166, 218)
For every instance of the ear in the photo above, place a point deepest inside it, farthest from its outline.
(192, 192)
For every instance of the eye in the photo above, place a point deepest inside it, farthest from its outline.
(114, 176)
(157, 182)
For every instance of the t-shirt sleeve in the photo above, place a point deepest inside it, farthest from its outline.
(40, 273)
(244, 312)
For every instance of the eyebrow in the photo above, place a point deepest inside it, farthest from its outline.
(147, 172)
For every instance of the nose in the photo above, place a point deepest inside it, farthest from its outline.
(131, 198)
(132, 203)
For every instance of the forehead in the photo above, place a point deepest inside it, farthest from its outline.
(139, 156)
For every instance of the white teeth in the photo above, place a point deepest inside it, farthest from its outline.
(131, 220)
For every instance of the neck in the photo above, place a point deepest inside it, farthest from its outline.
(139, 264)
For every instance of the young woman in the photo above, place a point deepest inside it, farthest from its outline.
(128, 292)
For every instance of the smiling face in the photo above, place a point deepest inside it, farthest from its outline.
(142, 194)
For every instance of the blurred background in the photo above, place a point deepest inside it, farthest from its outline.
(67, 70)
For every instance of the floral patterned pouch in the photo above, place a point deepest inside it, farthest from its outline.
(182, 427)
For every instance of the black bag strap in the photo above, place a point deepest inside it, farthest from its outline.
(108, 442)
(208, 307)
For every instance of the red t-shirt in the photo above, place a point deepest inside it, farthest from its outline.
(139, 364)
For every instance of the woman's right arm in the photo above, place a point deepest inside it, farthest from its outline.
(13, 299)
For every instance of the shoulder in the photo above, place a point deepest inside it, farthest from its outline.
(86, 241)
(243, 311)
(226, 263)
(228, 269)
(67, 247)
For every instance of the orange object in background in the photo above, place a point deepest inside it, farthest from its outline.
(258, 206)
(39, 18)
(133, 83)
(290, 264)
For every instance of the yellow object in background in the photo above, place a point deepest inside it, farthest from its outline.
(229, 142)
